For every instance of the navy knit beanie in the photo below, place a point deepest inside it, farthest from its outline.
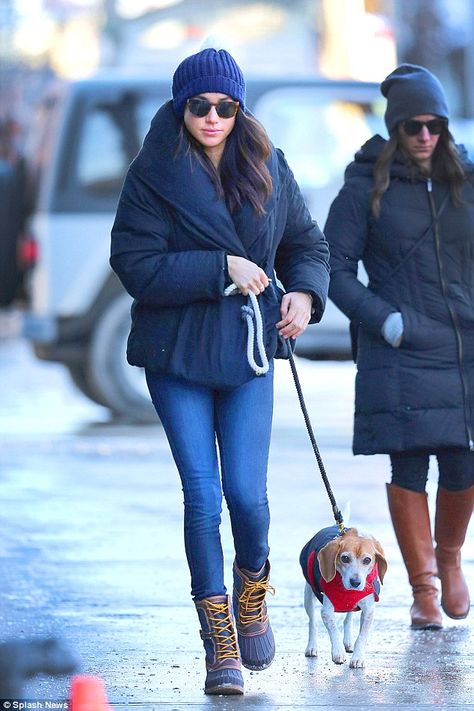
(412, 91)
(210, 70)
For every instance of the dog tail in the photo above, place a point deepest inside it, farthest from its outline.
(346, 513)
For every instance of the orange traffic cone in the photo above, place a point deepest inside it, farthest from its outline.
(88, 694)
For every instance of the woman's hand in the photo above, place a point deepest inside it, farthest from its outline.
(246, 275)
(392, 329)
(295, 314)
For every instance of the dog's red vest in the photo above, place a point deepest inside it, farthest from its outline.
(342, 599)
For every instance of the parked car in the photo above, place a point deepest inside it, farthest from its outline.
(83, 137)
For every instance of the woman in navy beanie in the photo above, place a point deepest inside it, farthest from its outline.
(210, 208)
(406, 210)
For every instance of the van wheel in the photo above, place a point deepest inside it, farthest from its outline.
(120, 386)
(79, 376)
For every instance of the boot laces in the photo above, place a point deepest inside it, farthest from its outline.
(222, 630)
(252, 599)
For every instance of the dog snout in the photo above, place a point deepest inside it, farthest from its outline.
(355, 581)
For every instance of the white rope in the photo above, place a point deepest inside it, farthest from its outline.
(250, 313)
(231, 290)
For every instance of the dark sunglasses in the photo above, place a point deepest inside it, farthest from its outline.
(434, 126)
(200, 107)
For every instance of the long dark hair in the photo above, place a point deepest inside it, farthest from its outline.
(446, 167)
(242, 174)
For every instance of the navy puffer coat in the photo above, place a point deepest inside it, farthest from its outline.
(420, 395)
(170, 242)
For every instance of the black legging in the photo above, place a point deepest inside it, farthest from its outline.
(456, 469)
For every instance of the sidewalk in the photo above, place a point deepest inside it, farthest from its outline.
(91, 551)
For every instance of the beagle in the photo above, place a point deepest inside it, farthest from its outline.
(344, 572)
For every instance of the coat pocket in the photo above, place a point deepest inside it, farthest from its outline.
(152, 336)
(420, 332)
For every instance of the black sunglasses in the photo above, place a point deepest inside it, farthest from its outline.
(434, 126)
(200, 107)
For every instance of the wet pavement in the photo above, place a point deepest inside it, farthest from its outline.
(92, 552)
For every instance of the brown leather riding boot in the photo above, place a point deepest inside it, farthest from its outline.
(411, 523)
(453, 513)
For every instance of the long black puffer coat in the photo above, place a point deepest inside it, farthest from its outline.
(420, 395)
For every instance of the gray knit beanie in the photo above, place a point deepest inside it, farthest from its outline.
(412, 91)
(210, 70)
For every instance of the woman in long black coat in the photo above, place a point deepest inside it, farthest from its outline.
(406, 211)
(208, 203)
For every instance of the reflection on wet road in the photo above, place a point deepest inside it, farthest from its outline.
(91, 551)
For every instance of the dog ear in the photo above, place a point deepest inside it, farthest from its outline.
(381, 561)
(327, 560)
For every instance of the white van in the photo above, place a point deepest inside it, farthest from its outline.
(83, 137)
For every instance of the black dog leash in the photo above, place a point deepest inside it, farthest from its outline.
(335, 509)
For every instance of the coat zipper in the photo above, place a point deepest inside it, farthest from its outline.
(453, 315)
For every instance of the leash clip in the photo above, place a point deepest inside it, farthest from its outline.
(342, 528)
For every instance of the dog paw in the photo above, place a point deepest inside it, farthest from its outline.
(311, 651)
(338, 657)
(357, 663)
(349, 646)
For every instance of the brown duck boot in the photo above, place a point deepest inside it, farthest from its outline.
(255, 636)
(453, 513)
(224, 675)
(411, 523)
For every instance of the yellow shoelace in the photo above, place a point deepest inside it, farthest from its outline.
(222, 630)
(251, 599)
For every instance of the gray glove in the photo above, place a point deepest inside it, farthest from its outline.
(392, 329)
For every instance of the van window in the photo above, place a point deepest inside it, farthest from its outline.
(319, 131)
(112, 134)
(102, 160)
(146, 109)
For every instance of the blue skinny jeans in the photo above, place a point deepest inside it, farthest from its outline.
(197, 421)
